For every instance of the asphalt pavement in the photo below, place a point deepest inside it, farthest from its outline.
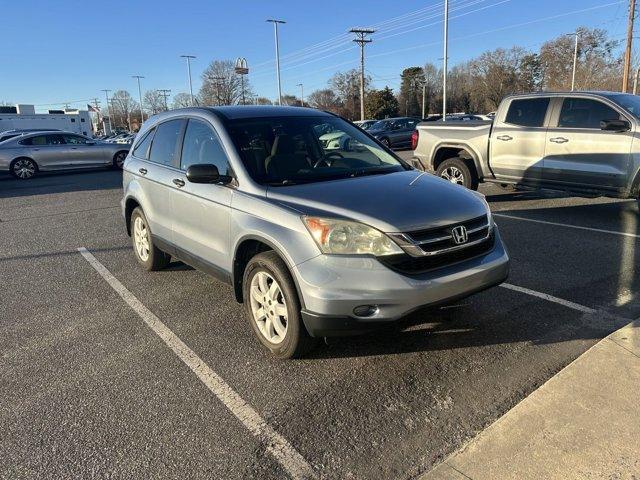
(88, 390)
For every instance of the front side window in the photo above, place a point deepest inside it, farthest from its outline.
(202, 145)
(528, 112)
(631, 103)
(290, 150)
(142, 148)
(165, 142)
(585, 113)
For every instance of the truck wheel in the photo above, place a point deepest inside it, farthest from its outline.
(273, 308)
(457, 171)
(148, 255)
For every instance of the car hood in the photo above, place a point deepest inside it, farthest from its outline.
(386, 202)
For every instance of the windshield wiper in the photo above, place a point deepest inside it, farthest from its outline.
(376, 171)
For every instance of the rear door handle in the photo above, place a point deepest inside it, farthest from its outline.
(505, 138)
(143, 171)
(559, 140)
(178, 182)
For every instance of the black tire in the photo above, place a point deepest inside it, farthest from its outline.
(386, 142)
(156, 258)
(118, 159)
(23, 168)
(457, 171)
(296, 342)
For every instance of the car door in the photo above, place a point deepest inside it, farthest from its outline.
(156, 173)
(579, 153)
(49, 151)
(82, 151)
(517, 143)
(398, 132)
(202, 212)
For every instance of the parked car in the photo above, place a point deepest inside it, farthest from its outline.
(394, 132)
(7, 134)
(365, 124)
(464, 117)
(315, 241)
(581, 142)
(26, 155)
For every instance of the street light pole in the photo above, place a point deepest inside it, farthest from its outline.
(106, 93)
(138, 77)
(301, 94)
(275, 27)
(189, 57)
(445, 59)
(424, 93)
(575, 34)
(635, 81)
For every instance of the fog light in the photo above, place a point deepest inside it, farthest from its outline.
(365, 310)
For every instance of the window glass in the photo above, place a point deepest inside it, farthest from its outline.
(165, 141)
(202, 145)
(55, 140)
(528, 112)
(142, 148)
(283, 151)
(631, 103)
(585, 113)
(43, 140)
(74, 139)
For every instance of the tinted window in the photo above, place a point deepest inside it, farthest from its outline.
(529, 112)
(585, 113)
(75, 139)
(202, 145)
(142, 148)
(43, 140)
(165, 141)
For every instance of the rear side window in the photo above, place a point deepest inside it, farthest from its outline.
(202, 145)
(585, 113)
(165, 142)
(528, 112)
(142, 148)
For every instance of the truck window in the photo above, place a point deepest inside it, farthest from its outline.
(528, 112)
(585, 113)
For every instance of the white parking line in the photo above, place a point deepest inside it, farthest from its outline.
(599, 230)
(276, 444)
(550, 298)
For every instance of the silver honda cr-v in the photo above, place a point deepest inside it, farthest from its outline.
(319, 229)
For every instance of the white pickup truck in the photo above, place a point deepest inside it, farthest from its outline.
(582, 142)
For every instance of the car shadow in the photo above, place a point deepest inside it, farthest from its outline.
(61, 182)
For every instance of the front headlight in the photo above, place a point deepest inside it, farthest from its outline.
(343, 237)
(486, 204)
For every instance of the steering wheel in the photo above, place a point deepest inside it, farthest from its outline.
(326, 159)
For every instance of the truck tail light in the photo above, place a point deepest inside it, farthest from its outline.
(414, 139)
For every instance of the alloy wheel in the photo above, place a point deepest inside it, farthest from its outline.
(454, 175)
(24, 168)
(141, 238)
(268, 307)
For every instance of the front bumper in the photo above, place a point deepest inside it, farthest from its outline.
(332, 286)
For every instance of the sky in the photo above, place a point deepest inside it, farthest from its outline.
(68, 51)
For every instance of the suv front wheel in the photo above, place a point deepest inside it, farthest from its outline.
(147, 254)
(273, 308)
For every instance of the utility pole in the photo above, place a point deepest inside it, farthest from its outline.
(275, 28)
(138, 77)
(165, 93)
(106, 93)
(627, 52)
(301, 94)
(361, 34)
(445, 60)
(424, 96)
(189, 58)
(218, 80)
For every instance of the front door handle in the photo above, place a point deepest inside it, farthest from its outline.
(143, 171)
(178, 182)
(505, 138)
(559, 140)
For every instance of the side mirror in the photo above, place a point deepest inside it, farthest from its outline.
(615, 125)
(206, 173)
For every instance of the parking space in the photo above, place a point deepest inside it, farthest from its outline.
(86, 386)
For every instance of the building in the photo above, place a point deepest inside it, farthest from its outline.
(25, 117)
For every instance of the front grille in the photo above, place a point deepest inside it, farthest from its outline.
(429, 234)
(415, 265)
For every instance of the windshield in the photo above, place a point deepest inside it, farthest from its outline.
(292, 150)
(631, 103)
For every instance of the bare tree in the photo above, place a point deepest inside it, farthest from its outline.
(263, 101)
(346, 85)
(291, 100)
(325, 99)
(222, 86)
(123, 109)
(182, 100)
(154, 102)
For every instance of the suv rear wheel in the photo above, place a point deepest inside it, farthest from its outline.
(147, 254)
(457, 171)
(273, 307)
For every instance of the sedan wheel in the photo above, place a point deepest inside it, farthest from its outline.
(268, 307)
(141, 239)
(118, 160)
(453, 174)
(24, 168)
